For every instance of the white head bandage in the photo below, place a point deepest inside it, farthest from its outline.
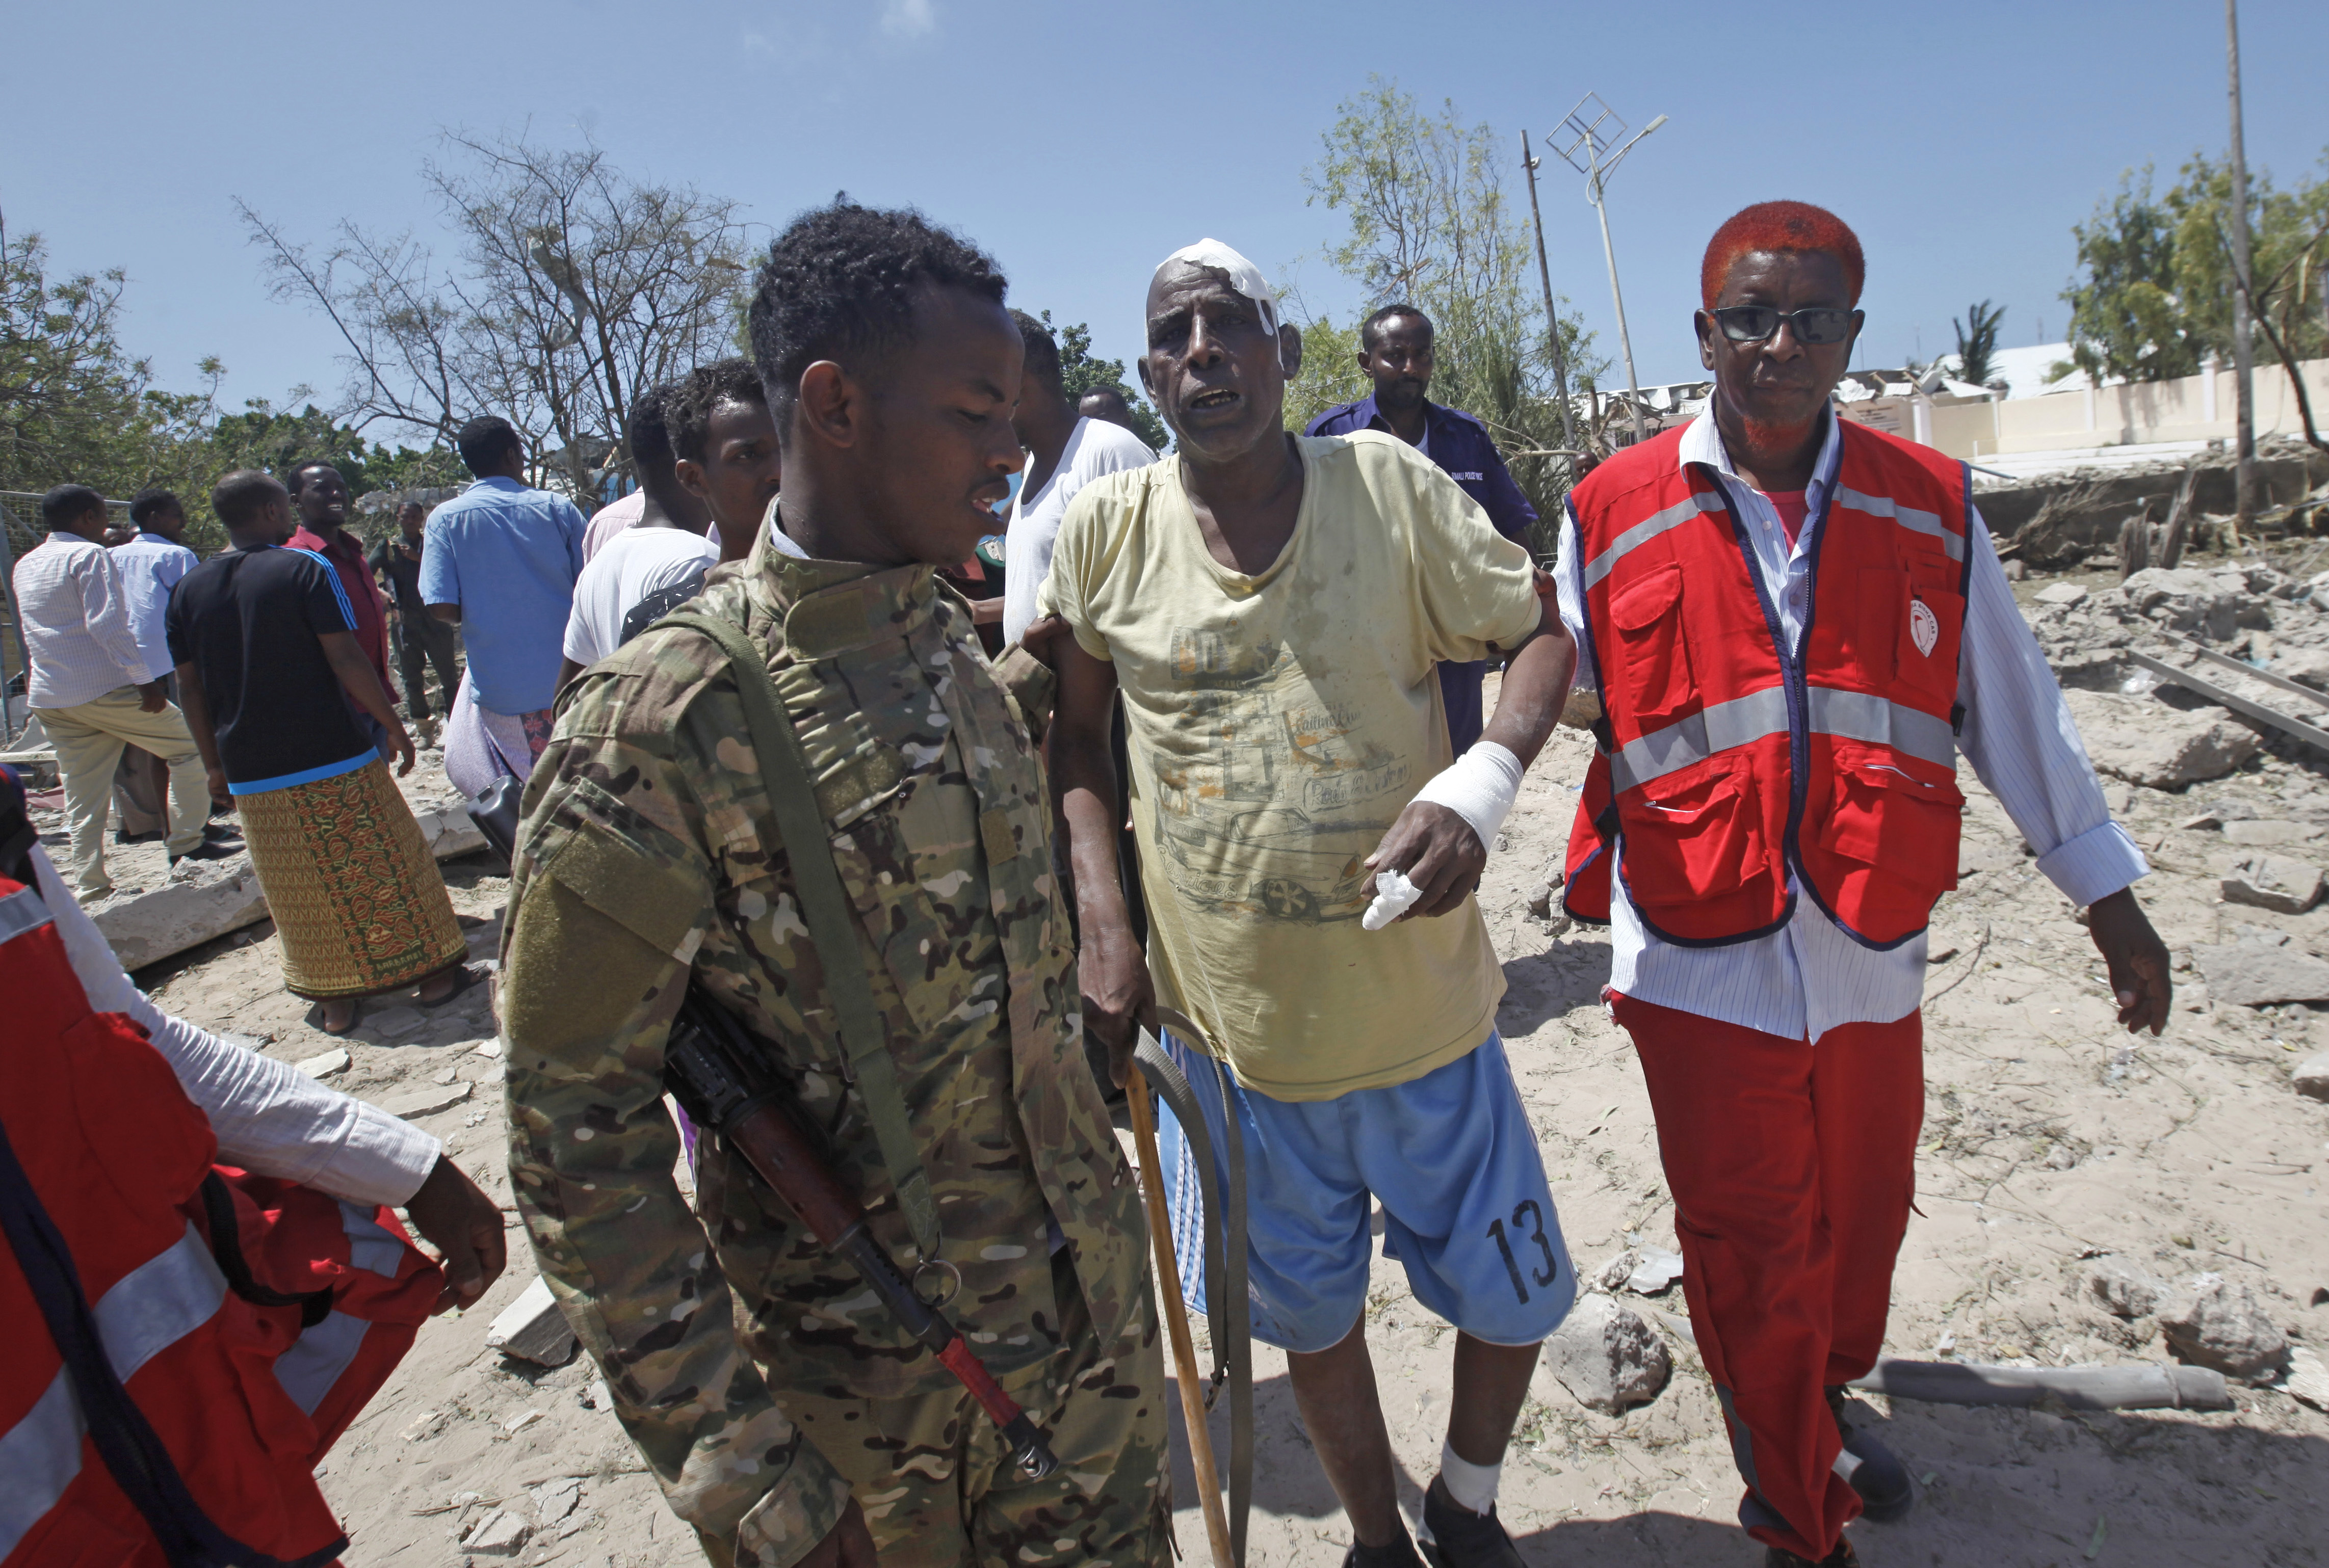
(1243, 274)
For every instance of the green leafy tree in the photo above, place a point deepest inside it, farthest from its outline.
(2156, 293)
(1429, 225)
(1977, 343)
(1081, 372)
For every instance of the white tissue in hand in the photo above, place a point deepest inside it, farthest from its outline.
(1394, 897)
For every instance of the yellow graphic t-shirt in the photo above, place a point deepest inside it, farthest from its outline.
(1279, 725)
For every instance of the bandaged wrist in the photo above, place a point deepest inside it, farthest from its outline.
(1479, 788)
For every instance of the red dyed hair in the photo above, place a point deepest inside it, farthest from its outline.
(1780, 226)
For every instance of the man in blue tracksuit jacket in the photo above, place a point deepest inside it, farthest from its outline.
(1395, 351)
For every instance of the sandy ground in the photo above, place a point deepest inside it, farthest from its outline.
(2047, 1140)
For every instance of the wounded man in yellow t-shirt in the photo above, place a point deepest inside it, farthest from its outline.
(1272, 608)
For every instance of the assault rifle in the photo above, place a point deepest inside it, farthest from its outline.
(717, 1072)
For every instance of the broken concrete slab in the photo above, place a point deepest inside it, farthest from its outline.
(428, 1101)
(532, 1329)
(2146, 742)
(205, 899)
(334, 1060)
(500, 1534)
(2276, 882)
(2217, 1322)
(2062, 593)
(2309, 1378)
(2185, 599)
(1605, 1357)
(2252, 975)
(446, 828)
(2311, 1076)
(390, 1022)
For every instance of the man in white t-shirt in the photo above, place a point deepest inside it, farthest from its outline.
(1065, 452)
(650, 442)
(664, 549)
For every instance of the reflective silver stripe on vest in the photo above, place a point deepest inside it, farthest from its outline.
(1907, 517)
(1851, 715)
(1694, 739)
(323, 1353)
(20, 912)
(1642, 532)
(152, 1307)
(1859, 716)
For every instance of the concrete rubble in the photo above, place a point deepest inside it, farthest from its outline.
(2216, 1322)
(532, 1329)
(2277, 882)
(2311, 1076)
(2252, 972)
(1607, 1357)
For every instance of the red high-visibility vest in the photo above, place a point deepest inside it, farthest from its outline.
(182, 1346)
(1727, 760)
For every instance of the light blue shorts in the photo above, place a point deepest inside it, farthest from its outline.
(1455, 1163)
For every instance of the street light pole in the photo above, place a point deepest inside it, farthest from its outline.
(2243, 348)
(1551, 321)
(1591, 137)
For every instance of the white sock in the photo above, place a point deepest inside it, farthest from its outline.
(1472, 1486)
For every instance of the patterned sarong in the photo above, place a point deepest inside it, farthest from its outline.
(356, 896)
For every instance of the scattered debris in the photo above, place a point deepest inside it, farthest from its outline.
(532, 1329)
(334, 1060)
(2311, 1076)
(1608, 1359)
(2062, 593)
(556, 1498)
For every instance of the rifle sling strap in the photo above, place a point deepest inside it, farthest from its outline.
(832, 925)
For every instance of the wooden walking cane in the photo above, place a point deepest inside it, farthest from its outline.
(1176, 1320)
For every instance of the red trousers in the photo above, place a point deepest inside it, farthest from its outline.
(1792, 1165)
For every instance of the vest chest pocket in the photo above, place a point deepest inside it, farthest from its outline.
(1908, 632)
(1653, 661)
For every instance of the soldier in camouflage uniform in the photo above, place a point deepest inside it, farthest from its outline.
(788, 1418)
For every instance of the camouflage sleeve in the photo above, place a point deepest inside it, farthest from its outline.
(606, 907)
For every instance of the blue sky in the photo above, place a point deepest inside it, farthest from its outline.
(1080, 143)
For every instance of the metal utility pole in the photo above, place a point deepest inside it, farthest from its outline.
(1551, 319)
(2243, 355)
(1593, 137)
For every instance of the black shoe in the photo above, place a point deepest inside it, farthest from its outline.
(1886, 1491)
(1400, 1553)
(207, 851)
(213, 833)
(1461, 1538)
(125, 840)
(1843, 1557)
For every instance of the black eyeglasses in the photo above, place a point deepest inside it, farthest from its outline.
(1755, 323)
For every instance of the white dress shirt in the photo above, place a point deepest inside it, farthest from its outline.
(270, 1117)
(1807, 977)
(150, 567)
(76, 623)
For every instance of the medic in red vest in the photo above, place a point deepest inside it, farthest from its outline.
(1774, 603)
(184, 1342)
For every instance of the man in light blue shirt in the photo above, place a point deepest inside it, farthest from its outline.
(500, 561)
